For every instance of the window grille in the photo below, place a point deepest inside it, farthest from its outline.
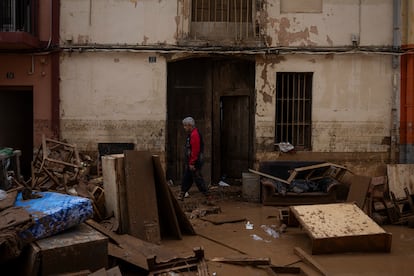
(234, 18)
(15, 15)
(222, 11)
(294, 109)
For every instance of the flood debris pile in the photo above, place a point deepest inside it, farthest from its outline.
(56, 166)
(66, 220)
(386, 199)
(288, 184)
(121, 216)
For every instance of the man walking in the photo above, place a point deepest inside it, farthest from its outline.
(194, 148)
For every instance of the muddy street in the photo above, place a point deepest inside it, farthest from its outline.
(233, 240)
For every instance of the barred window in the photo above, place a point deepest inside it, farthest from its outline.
(294, 109)
(15, 15)
(222, 10)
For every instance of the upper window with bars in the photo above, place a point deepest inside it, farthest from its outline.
(224, 19)
(294, 109)
(16, 15)
(222, 11)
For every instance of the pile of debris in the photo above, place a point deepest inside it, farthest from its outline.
(127, 227)
(386, 199)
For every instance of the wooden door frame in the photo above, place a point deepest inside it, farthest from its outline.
(216, 143)
(211, 131)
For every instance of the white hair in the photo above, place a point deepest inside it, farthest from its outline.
(189, 121)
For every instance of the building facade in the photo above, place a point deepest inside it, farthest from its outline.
(29, 75)
(330, 77)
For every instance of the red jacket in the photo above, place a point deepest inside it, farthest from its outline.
(195, 146)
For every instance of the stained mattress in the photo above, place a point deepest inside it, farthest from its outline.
(53, 213)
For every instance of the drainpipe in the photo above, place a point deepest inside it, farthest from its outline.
(407, 91)
(395, 83)
(55, 121)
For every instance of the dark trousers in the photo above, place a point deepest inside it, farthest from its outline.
(193, 176)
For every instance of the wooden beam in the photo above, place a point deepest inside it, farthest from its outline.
(243, 260)
(269, 176)
(223, 244)
(169, 225)
(309, 260)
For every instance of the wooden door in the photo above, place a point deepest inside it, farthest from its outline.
(189, 94)
(233, 117)
(234, 138)
(204, 88)
(16, 124)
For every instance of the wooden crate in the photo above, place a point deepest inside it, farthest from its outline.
(79, 248)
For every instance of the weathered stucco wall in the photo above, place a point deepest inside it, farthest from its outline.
(113, 97)
(118, 22)
(370, 20)
(109, 96)
(33, 71)
(351, 100)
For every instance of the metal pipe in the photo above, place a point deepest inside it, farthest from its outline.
(395, 85)
(397, 24)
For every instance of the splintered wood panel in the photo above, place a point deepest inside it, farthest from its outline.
(358, 189)
(399, 177)
(167, 216)
(141, 196)
(114, 185)
(341, 227)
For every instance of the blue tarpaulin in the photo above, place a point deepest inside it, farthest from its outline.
(53, 213)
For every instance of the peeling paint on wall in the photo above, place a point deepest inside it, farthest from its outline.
(267, 98)
(286, 36)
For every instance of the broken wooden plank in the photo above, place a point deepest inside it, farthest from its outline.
(113, 174)
(269, 176)
(285, 269)
(358, 189)
(341, 227)
(9, 200)
(167, 216)
(128, 255)
(176, 264)
(135, 251)
(185, 225)
(143, 221)
(310, 260)
(399, 177)
(317, 171)
(15, 217)
(221, 243)
(221, 219)
(111, 235)
(243, 260)
(139, 252)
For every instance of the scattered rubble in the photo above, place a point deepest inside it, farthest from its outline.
(134, 209)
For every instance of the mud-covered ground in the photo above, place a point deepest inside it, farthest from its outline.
(233, 240)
